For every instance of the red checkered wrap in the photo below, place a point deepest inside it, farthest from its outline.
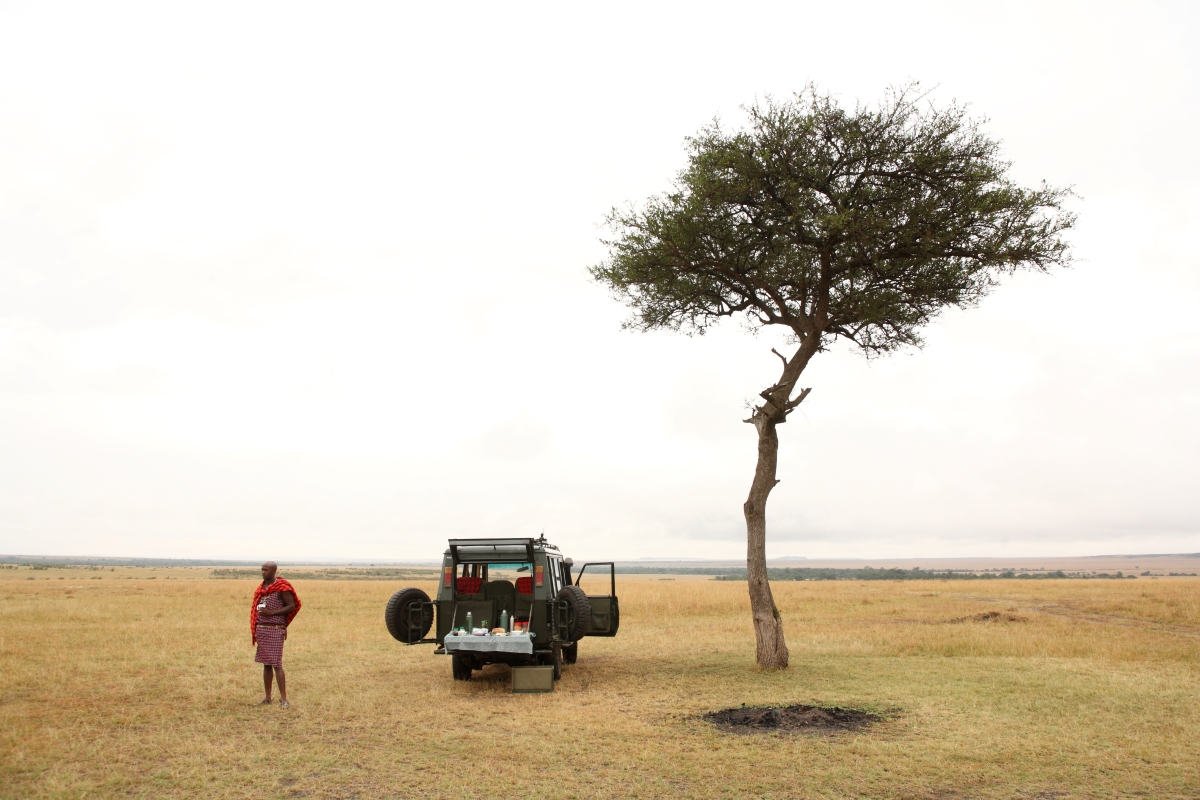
(270, 645)
(525, 585)
(270, 636)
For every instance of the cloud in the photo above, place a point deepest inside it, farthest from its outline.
(519, 439)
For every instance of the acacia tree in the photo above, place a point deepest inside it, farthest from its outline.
(832, 224)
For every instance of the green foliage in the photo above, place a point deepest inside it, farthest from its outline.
(859, 224)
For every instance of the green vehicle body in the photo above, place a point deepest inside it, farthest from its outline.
(557, 614)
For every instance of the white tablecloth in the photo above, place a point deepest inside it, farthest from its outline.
(490, 644)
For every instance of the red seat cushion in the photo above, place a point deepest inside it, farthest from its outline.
(525, 585)
(469, 585)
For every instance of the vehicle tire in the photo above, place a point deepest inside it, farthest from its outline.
(396, 615)
(581, 609)
(460, 667)
(570, 652)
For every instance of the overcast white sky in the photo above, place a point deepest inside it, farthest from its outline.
(309, 281)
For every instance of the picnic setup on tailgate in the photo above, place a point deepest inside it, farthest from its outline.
(507, 601)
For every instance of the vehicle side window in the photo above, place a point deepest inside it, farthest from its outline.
(556, 574)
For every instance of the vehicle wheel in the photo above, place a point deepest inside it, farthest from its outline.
(460, 667)
(396, 615)
(570, 652)
(581, 612)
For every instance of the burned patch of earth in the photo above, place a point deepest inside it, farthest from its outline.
(990, 616)
(791, 719)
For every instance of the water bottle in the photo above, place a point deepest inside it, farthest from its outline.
(470, 623)
(504, 619)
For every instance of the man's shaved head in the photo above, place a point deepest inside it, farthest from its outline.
(271, 565)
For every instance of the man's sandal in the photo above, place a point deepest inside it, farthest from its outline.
(265, 703)
(284, 704)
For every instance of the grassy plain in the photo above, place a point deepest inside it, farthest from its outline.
(140, 683)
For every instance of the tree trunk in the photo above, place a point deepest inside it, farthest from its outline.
(771, 652)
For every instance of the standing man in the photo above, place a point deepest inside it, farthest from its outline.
(275, 606)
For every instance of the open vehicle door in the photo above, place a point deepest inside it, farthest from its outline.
(606, 613)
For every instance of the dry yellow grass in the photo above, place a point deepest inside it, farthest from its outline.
(129, 687)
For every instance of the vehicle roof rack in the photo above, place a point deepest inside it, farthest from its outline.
(491, 551)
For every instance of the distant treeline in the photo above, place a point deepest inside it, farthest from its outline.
(63, 562)
(36, 567)
(915, 574)
(336, 574)
(66, 562)
(639, 570)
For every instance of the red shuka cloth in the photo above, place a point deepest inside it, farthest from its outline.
(280, 585)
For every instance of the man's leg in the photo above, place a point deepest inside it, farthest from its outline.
(280, 679)
(267, 683)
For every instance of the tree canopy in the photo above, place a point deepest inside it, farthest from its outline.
(858, 224)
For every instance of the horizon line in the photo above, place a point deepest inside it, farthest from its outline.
(392, 562)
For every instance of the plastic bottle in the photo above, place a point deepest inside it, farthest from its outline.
(470, 623)
(504, 619)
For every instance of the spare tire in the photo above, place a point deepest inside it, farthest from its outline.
(581, 612)
(396, 616)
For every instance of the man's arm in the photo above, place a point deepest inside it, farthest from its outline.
(289, 605)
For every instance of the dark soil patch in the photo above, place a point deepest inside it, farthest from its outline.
(791, 719)
(991, 616)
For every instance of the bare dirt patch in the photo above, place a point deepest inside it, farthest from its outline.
(791, 719)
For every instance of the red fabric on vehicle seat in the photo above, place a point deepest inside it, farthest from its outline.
(525, 585)
(469, 585)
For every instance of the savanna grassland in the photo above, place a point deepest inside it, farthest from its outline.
(141, 683)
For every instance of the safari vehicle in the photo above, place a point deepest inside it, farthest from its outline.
(528, 580)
